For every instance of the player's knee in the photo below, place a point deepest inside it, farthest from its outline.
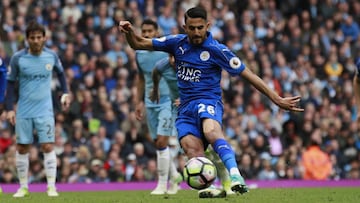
(47, 147)
(22, 148)
(194, 152)
(211, 130)
(192, 148)
(162, 142)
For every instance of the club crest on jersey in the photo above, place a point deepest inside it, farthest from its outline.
(235, 62)
(205, 55)
(48, 67)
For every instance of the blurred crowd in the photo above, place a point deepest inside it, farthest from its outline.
(298, 47)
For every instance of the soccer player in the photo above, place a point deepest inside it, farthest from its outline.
(2, 88)
(165, 68)
(2, 84)
(158, 115)
(356, 85)
(32, 68)
(199, 61)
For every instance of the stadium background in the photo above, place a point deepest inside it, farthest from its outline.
(298, 47)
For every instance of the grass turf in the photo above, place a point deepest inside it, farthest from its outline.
(281, 195)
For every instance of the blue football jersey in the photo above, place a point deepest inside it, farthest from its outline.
(198, 68)
(2, 80)
(34, 74)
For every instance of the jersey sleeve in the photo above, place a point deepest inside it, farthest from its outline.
(58, 67)
(227, 60)
(13, 68)
(166, 43)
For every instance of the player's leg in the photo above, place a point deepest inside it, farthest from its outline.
(175, 177)
(213, 134)
(189, 127)
(210, 113)
(163, 165)
(23, 130)
(193, 147)
(212, 191)
(158, 123)
(45, 127)
(223, 174)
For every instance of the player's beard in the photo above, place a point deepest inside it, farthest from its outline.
(36, 48)
(197, 40)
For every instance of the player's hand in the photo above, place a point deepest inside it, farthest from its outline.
(65, 101)
(10, 116)
(154, 95)
(290, 103)
(125, 26)
(139, 111)
(177, 102)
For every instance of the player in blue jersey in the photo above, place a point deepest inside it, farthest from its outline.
(32, 68)
(2, 88)
(165, 68)
(158, 115)
(356, 85)
(2, 84)
(199, 61)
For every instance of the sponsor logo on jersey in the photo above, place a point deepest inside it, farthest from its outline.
(188, 74)
(205, 55)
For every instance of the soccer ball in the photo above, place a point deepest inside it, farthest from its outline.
(199, 173)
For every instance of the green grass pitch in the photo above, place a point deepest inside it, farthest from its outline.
(281, 195)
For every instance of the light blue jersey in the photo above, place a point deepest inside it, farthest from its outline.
(34, 74)
(159, 118)
(146, 61)
(168, 73)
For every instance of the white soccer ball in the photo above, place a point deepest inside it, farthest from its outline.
(199, 173)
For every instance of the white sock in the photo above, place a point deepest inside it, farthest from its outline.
(220, 167)
(22, 167)
(50, 168)
(163, 164)
(172, 169)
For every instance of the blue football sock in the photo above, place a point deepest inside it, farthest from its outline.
(226, 154)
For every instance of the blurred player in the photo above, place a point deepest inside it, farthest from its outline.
(2, 88)
(32, 68)
(356, 84)
(199, 61)
(158, 115)
(2, 84)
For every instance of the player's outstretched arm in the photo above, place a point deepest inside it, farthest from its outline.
(287, 103)
(135, 41)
